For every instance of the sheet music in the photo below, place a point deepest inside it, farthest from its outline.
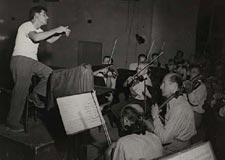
(200, 152)
(80, 112)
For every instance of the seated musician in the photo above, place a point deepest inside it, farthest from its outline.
(139, 143)
(182, 71)
(156, 62)
(139, 86)
(179, 125)
(109, 73)
(197, 93)
(142, 58)
(171, 66)
(179, 57)
(139, 92)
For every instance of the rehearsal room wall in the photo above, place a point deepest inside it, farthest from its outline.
(12, 14)
(174, 22)
(171, 21)
(111, 19)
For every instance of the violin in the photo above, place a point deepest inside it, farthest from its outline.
(137, 77)
(192, 84)
(132, 81)
(139, 126)
(111, 72)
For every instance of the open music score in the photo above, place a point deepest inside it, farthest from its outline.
(202, 151)
(80, 112)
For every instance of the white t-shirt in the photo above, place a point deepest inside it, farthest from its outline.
(133, 66)
(24, 46)
(141, 87)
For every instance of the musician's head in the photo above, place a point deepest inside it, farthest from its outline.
(179, 54)
(171, 83)
(142, 58)
(141, 69)
(155, 55)
(107, 60)
(171, 65)
(195, 71)
(131, 114)
(39, 15)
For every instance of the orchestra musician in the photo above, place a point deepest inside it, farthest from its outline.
(197, 93)
(139, 93)
(156, 62)
(142, 58)
(136, 145)
(108, 73)
(139, 85)
(171, 66)
(179, 125)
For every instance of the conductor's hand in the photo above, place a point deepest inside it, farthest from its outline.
(63, 29)
(67, 32)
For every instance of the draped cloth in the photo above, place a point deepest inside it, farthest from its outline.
(66, 82)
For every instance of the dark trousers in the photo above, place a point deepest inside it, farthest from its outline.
(23, 68)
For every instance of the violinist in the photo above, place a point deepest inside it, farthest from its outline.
(138, 85)
(109, 73)
(156, 62)
(196, 93)
(179, 125)
(142, 58)
(171, 66)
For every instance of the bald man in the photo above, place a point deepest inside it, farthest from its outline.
(179, 125)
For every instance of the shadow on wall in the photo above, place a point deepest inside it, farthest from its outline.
(6, 49)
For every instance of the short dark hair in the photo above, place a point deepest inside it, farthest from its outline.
(109, 58)
(142, 55)
(155, 54)
(176, 78)
(36, 9)
(180, 51)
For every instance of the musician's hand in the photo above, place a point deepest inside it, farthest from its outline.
(130, 79)
(213, 103)
(109, 151)
(155, 111)
(109, 97)
(149, 125)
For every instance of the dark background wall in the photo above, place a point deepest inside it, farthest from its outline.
(174, 22)
(109, 20)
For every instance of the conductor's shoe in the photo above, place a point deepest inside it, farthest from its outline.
(15, 128)
(36, 101)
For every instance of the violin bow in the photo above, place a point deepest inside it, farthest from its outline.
(135, 75)
(163, 46)
(113, 49)
(149, 52)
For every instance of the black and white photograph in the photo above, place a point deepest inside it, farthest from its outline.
(112, 80)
